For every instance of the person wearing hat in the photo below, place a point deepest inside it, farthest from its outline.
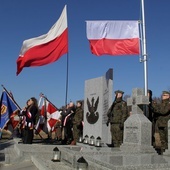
(162, 111)
(117, 114)
(77, 122)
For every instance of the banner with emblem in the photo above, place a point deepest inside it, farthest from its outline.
(8, 110)
(49, 115)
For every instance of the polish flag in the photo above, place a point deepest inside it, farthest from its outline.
(46, 48)
(113, 37)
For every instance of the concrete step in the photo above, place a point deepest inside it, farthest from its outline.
(25, 165)
(11, 156)
(44, 163)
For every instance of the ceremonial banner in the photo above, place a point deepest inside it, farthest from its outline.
(9, 110)
(52, 115)
(49, 115)
(113, 37)
(46, 48)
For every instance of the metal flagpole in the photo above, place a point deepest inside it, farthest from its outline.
(144, 54)
(67, 79)
(67, 71)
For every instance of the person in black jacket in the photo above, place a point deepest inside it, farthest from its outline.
(67, 122)
(30, 112)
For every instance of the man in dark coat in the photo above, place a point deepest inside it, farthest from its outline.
(67, 123)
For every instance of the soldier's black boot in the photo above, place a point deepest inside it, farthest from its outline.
(110, 145)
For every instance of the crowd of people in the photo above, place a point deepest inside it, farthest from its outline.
(67, 129)
(70, 125)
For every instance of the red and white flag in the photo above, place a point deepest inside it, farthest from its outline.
(113, 37)
(51, 113)
(46, 48)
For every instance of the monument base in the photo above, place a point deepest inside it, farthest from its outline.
(134, 148)
(137, 135)
(102, 158)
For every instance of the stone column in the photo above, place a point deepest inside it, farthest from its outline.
(98, 98)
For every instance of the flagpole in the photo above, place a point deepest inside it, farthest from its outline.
(144, 54)
(67, 71)
(42, 95)
(67, 80)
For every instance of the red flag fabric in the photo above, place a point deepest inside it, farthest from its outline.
(14, 119)
(113, 37)
(46, 48)
(52, 114)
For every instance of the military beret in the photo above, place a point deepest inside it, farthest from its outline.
(118, 91)
(150, 92)
(166, 92)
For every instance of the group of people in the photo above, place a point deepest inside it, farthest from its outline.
(68, 128)
(157, 112)
(71, 124)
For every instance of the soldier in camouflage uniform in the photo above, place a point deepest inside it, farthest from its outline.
(162, 111)
(117, 114)
(77, 123)
(150, 115)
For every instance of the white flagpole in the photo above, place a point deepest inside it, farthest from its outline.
(144, 54)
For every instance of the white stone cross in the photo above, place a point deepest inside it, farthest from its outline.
(137, 101)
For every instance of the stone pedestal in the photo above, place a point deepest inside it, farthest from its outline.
(137, 128)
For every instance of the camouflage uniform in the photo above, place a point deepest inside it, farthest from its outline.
(150, 116)
(117, 115)
(162, 111)
(77, 123)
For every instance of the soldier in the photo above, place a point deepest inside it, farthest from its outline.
(77, 123)
(150, 114)
(162, 111)
(117, 114)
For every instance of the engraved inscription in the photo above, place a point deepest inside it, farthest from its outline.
(132, 134)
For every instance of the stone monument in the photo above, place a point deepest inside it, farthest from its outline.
(137, 128)
(98, 98)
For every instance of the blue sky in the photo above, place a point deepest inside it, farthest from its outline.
(21, 20)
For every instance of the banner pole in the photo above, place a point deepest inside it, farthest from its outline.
(11, 97)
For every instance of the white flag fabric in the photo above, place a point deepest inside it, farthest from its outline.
(46, 48)
(113, 37)
(52, 115)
